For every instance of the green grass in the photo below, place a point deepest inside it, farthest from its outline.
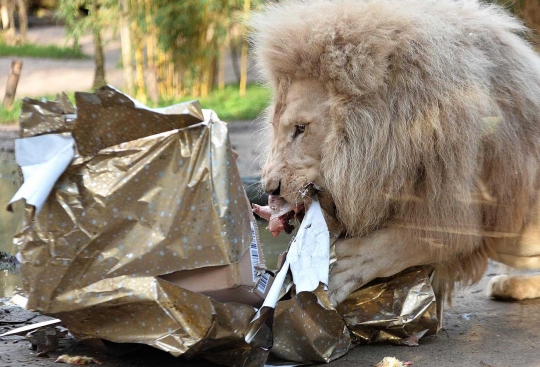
(49, 51)
(227, 103)
(10, 116)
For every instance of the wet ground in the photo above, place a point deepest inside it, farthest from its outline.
(9, 222)
(477, 331)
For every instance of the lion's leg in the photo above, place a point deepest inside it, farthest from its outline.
(362, 259)
(514, 287)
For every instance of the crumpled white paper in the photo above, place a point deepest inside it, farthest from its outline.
(308, 257)
(42, 159)
(309, 254)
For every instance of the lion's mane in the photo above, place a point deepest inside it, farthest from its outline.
(435, 122)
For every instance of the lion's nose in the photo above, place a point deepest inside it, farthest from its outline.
(273, 189)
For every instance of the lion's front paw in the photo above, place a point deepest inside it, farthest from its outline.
(377, 255)
(345, 278)
(360, 260)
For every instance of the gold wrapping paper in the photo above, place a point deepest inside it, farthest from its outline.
(108, 117)
(399, 310)
(152, 311)
(133, 210)
(308, 329)
(133, 206)
(46, 117)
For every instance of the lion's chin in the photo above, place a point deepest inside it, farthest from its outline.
(279, 214)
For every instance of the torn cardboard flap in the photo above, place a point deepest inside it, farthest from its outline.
(239, 282)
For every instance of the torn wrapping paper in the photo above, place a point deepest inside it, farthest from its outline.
(309, 253)
(308, 329)
(399, 310)
(126, 212)
(46, 117)
(152, 198)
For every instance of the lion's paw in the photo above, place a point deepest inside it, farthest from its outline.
(514, 287)
(499, 287)
(345, 277)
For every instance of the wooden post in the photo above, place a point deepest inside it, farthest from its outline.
(13, 80)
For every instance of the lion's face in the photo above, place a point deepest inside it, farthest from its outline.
(300, 120)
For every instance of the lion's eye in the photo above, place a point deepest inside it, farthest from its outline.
(299, 129)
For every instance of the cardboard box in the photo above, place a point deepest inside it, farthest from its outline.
(240, 282)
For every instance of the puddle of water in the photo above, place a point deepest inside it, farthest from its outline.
(273, 246)
(9, 224)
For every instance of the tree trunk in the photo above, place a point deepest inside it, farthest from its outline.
(4, 13)
(99, 59)
(170, 77)
(11, 16)
(243, 56)
(12, 82)
(151, 80)
(233, 47)
(221, 70)
(23, 20)
(243, 69)
(125, 38)
(209, 77)
(179, 87)
(139, 69)
(161, 73)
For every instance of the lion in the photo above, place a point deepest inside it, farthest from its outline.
(419, 123)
